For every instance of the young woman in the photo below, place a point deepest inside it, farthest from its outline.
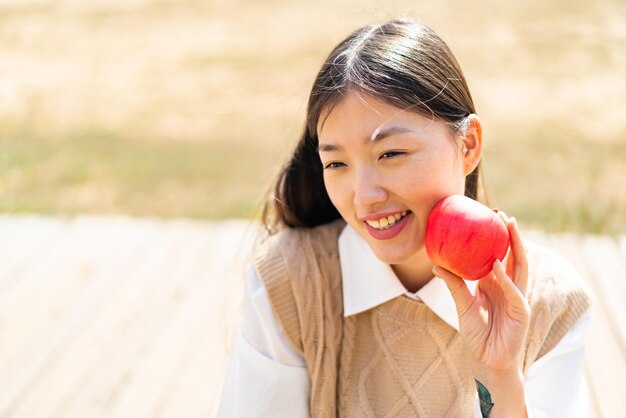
(344, 314)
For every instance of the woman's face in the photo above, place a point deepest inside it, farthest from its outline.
(385, 169)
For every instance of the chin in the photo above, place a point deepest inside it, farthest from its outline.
(389, 253)
(389, 256)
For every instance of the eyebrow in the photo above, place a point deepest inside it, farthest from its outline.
(377, 136)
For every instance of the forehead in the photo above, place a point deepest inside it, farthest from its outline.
(357, 114)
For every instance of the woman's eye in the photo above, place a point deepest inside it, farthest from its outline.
(333, 165)
(390, 154)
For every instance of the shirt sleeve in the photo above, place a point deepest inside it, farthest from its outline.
(555, 385)
(267, 377)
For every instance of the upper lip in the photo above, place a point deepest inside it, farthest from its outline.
(377, 216)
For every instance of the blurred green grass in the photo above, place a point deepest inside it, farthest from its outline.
(556, 179)
(101, 172)
(188, 109)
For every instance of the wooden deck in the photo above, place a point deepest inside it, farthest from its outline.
(120, 317)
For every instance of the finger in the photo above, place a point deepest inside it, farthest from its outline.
(503, 215)
(510, 255)
(520, 261)
(505, 218)
(510, 263)
(459, 290)
(516, 266)
(512, 294)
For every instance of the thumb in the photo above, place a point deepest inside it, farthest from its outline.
(459, 290)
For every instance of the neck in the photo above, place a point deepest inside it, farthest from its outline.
(415, 272)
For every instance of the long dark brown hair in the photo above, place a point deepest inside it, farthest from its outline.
(401, 62)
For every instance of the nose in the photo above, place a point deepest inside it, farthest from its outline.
(368, 190)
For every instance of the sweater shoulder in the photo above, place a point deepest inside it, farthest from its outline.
(558, 297)
(290, 242)
(294, 265)
(552, 277)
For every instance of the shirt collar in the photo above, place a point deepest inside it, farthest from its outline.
(368, 282)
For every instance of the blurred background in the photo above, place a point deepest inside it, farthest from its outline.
(175, 108)
(161, 117)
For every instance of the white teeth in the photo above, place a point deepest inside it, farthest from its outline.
(384, 223)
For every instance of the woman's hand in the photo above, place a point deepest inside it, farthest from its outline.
(494, 322)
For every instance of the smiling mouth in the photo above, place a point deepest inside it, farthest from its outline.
(388, 221)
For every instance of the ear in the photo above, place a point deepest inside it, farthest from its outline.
(472, 144)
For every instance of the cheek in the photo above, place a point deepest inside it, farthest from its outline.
(426, 186)
(439, 173)
(335, 192)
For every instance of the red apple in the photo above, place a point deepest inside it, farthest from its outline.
(465, 237)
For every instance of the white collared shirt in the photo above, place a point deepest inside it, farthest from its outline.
(268, 378)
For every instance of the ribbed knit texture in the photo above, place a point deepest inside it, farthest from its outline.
(398, 359)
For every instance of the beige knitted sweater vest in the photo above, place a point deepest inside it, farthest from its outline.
(398, 359)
